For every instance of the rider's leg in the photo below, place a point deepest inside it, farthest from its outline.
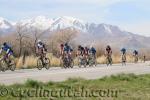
(42, 59)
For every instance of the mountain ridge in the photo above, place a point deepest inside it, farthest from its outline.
(97, 32)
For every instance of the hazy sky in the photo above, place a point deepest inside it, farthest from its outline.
(130, 15)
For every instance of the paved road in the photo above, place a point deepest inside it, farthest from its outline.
(59, 74)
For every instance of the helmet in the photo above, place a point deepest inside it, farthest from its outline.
(61, 45)
(79, 46)
(91, 46)
(135, 50)
(4, 43)
(66, 44)
(108, 46)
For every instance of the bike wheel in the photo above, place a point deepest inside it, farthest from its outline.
(61, 63)
(47, 63)
(84, 65)
(71, 64)
(95, 62)
(39, 64)
(65, 63)
(107, 62)
(79, 62)
(110, 61)
(79, 65)
(3, 66)
(12, 66)
(90, 62)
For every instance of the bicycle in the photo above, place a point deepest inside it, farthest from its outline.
(135, 58)
(7, 64)
(108, 60)
(123, 59)
(43, 62)
(67, 61)
(82, 61)
(92, 60)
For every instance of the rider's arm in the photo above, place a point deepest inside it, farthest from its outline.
(8, 51)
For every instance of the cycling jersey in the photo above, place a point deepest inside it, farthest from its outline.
(92, 50)
(68, 49)
(41, 47)
(81, 51)
(7, 49)
(135, 52)
(86, 51)
(108, 49)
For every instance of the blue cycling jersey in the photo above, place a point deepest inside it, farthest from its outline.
(67, 48)
(92, 50)
(6, 48)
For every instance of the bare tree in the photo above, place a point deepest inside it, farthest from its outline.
(36, 34)
(61, 36)
(21, 32)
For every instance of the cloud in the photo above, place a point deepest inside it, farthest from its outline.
(86, 2)
(124, 13)
(141, 27)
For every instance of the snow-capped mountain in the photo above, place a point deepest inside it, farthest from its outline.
(43, 23)
(5, 26)
(40, 22)
(105, 33)
(68, 22)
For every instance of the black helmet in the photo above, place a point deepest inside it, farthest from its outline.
(61, 45)
(66, 44)
(4, 43)
(108, 46)
(79, 46)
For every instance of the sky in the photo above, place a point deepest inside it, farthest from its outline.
(129, 15)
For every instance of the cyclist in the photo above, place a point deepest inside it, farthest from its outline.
(67, 50)
(41, 50)
(123, 50)
(135, 54)
(80, 51)
(92, 51)
(61, 49)
(108, 51)
(86, 51)
(7, 50)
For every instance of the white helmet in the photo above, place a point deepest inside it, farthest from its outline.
(91, 46)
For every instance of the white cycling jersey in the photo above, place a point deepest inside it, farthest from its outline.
(40, 45)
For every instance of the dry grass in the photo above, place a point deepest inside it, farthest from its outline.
(31, 61)
(116, 59)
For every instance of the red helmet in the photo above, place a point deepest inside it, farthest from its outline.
(61, 45)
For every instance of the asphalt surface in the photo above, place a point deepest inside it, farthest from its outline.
(58, 74)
